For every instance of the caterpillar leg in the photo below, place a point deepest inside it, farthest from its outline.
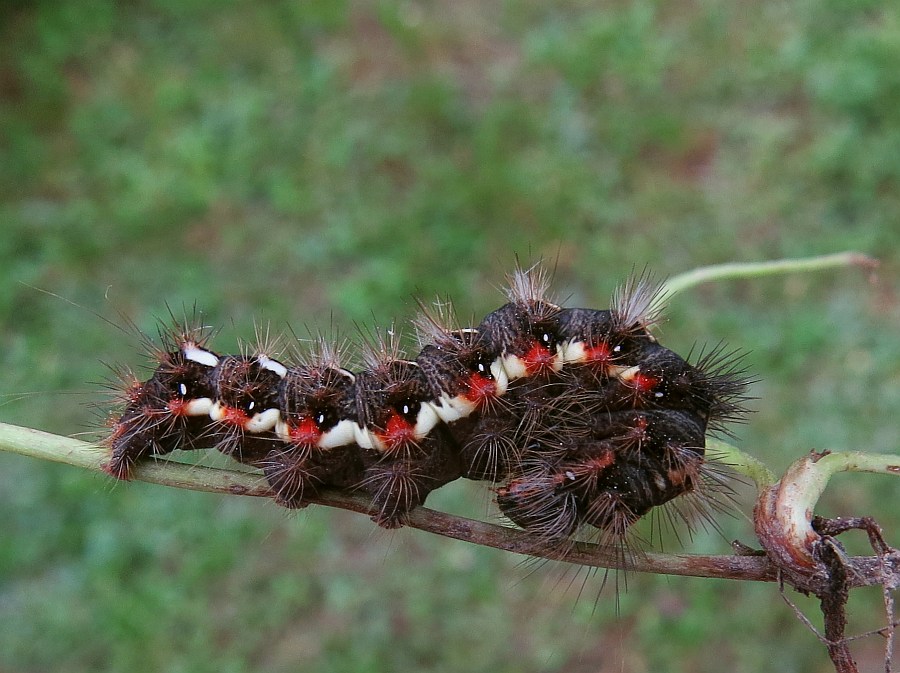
(398, 486)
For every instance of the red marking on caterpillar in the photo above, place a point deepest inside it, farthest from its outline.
(601, 354)
(481, 389)
(642, 383)
(539, 360)
(398, 433)
(305, 433)
(581, 419)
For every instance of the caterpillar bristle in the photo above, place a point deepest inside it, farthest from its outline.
(488, 454)
(265, 343)
(581, 421)
(529, 288)
(612, 519)
(292, 478)
(438, 324)
(638, 304)
(725, 375)
(534, 501)
(122, 385)
(325, 353)
(395, 488)
(381, 347)
(325, 348)
(175, 333)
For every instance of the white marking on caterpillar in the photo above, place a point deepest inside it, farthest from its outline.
(341, 434)
(426, 419)
(625, 374)
(572, 351)
(501, 379)
(199, 355)
(451, 409)
(366, 439)
(200, 406)
(263, 421)
(272, 365)
(514, 366)
(217, 412)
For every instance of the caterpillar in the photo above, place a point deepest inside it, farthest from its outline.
(578, 418)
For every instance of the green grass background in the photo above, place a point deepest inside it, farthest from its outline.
(318, 162)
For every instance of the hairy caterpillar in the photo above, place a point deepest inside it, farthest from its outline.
(578, 416)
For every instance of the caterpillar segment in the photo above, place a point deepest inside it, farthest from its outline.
(168, 411)
(317, 429)
(245, 412)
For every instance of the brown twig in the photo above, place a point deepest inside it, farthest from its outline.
(807, 554)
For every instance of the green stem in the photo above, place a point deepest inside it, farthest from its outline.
(705, 274)
(742, 463)
(810, 477)
(37, 444)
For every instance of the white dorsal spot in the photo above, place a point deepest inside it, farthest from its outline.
(340, 435)
(501, 378)
(624, 373)
(271, 365)
(426, 419)
(217, 412)
(263, 421)
(199, 355)
(366, 439)
(571, 351)
(200, 406)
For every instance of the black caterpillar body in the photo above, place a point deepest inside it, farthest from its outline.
(579, 416)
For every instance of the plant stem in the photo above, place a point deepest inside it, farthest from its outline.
(785, 510)
(742, 463)
(37, 444)
(705, 274)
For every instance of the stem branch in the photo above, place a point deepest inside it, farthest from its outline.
(705, 274)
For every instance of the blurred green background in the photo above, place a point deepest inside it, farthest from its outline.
(319, 162)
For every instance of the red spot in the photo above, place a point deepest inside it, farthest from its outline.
(481, 389)
(234, 416)
(178, 406)
(538, 360)
(638, 433)
(559, 479)
(643, 383)
(601, 462)
(517, 488)
(398, 432)
(306, 432)
(593, 467)
(601, 354)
